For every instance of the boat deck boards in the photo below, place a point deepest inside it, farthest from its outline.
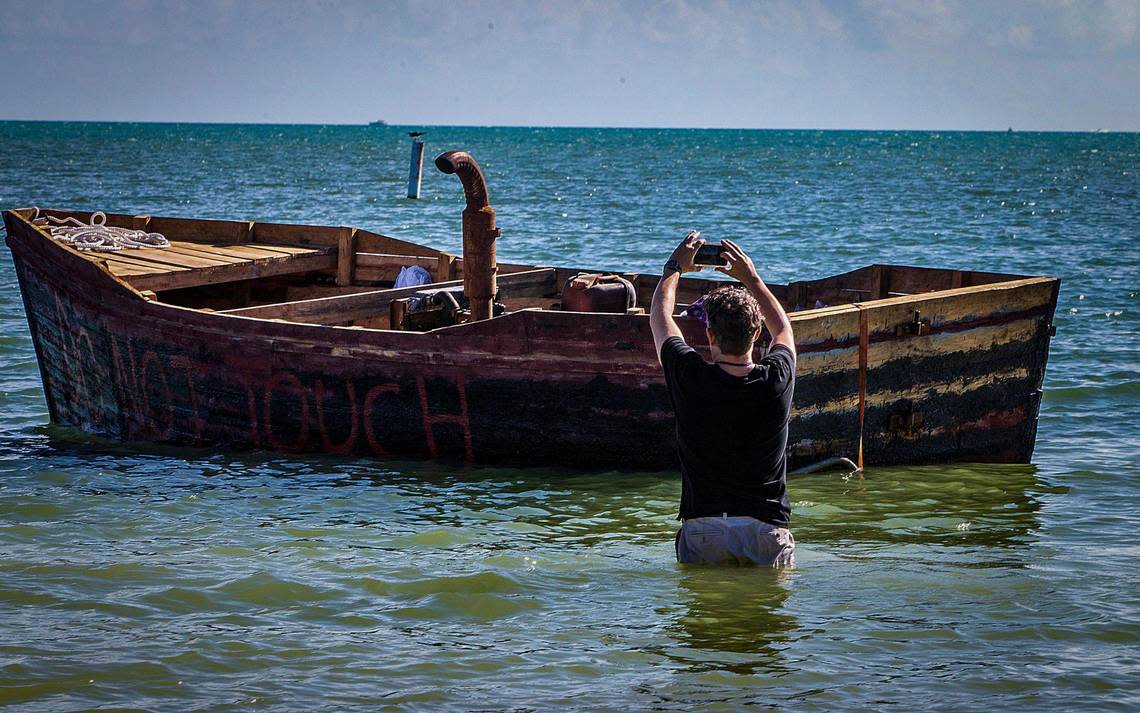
(192, 264)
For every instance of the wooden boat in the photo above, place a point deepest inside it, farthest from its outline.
(253, 335)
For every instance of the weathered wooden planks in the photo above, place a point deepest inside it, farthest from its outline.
(350, 308)
(381, 266)
(232, 272)
(182, 265)
(190, 261)
(126, 267)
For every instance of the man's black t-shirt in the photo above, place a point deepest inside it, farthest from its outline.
(731, 433)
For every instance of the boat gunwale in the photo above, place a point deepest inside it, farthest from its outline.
(463, 329)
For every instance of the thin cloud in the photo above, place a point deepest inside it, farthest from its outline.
(812, 63)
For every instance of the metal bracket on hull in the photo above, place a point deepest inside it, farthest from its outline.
(916, 327)
(906, 424)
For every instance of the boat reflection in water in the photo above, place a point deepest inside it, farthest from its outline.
(872, 554)
(741, 612)
(961, 508)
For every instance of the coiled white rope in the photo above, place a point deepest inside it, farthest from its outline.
(97, 236)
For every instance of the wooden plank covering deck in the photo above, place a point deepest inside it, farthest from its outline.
(192, 264)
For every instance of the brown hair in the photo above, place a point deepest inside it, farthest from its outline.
(734, 317)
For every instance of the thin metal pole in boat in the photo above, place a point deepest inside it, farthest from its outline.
(416, 169)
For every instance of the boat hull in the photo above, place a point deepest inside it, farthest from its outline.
(962, 383)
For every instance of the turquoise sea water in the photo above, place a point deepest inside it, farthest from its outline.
(191, 579)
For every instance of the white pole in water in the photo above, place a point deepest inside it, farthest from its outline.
(416, 169)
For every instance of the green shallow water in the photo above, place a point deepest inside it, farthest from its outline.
(149, 578)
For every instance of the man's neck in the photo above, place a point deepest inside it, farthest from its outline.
(731, 362)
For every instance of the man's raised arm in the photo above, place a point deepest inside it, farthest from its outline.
(740, 267)
(665, 296)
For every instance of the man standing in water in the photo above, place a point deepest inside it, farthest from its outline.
(732, 415)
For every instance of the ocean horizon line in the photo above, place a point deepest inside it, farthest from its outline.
(1010, 129)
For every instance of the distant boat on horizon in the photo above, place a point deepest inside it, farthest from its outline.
(378, 122)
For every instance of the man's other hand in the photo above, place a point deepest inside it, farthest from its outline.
(739, 264)
(687, 250)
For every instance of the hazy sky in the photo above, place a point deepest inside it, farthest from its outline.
(1031, 64)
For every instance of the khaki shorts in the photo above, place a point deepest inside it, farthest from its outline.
(734, 540)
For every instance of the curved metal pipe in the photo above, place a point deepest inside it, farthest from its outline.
(480, 266)
(447, 300)
(474, 185)
(847, 463)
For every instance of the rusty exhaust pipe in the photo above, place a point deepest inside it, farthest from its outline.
(479, 232)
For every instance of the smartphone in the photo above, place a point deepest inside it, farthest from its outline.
(710, 254)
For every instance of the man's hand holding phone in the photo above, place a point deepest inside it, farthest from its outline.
(683, 255)
(737, 264)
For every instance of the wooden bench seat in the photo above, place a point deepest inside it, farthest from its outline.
(364, 306)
